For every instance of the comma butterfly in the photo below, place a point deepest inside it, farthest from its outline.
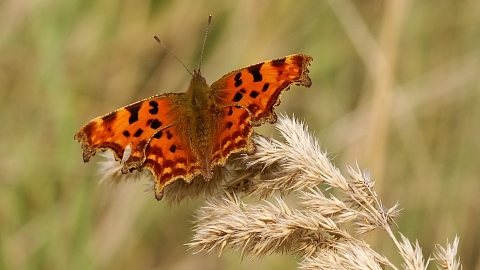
(183, 135)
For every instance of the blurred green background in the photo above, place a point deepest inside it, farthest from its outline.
(395, 88)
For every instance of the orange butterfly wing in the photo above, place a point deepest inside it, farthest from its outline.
(233, 135)
(132, 125)
(169, 157)
(257, 88)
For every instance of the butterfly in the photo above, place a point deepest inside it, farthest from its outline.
(184, 135)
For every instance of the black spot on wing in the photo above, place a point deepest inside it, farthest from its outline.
(126, 133)
(265, 87)
(278, 62)
(109, 117)
(169, 135)
(254, 94)
(154, 109)
(229, 125)
(133, 110)
(155, 124)
(173, 148)
(238, 96)
(238, 80)
(158, 135)
(255, 71)
(138, 132)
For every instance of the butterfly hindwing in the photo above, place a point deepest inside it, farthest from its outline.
(258, 87)
(169, 156)
(233, 135)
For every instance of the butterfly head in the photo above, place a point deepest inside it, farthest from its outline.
(197, 93)
(197, 77)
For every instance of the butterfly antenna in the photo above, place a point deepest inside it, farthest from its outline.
(205, 40)
(159, 41)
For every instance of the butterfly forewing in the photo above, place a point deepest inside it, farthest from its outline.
(258, 87)
(132, 125)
